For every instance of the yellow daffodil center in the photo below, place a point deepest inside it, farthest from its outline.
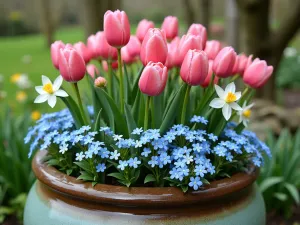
(230, 97)
(247, 113)
(35, 115)
(21, 96)
(48, 88)
(15, 78)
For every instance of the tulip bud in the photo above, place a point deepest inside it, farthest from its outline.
(186, 43)
(142, 29)
(116, 28)
(170, 26)
(153, 79)
(100, 82)
(172, 52)
(212, 49)
(154, 47)
(133, 46)
(224, 62)
(92, 70)
(55, 48)
(194, 68)
(209, 75)
(105, 65)
(257, 74)
(199, 29)
(71, 65)
(83, 51)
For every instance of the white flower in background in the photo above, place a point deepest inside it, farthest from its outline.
(26, 59)
(3, 95)
(21, 80)
(290, 52)
(49, 91)
(227, 100)
(245, 113)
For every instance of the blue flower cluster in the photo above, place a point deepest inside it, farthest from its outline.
(188, 155)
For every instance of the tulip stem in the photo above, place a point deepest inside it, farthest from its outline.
(185, 103)
(121, 80)
(109, 78)
(147, 113)
(75, 85)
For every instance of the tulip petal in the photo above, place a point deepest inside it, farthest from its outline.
(61, 93)
(41, 98)
(226, 110)
(57, 83)
(220, 91)
(235, 106)
(230, 88)
(45, 80)
(40, 90)
(52, 100)
(217, 103)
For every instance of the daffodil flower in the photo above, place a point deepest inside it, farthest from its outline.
(245, 113)
(227, 100)
(49, 92)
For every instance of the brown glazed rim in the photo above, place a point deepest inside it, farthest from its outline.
(137, 196)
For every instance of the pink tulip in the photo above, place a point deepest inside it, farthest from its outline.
(92, 46)
(71, 65)
(81, 48)
(154, 47)
(172, 52)
(100, 82)
(153, 79)
(116, 28)
(68, 45)
(170, 26)
(199, 29)
(92, 70)
(105, 65)
(186, 43)
(210, 73)
(257, 74)
(194, 68)
(243, 59)
(126, 57)
(212, 49)
(142, 29)
(55, 48)
(249, 61)
(133, 46)
(224, 62)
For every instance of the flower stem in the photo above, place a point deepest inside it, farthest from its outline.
(121, 80)
(234, 78)
(109, 78)
(185, 103)
(147, 113)
(152, 112)
(75, 85)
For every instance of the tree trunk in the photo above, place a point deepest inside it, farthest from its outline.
(189, 12)
(205, 13)
(232, 24)
(46, 23)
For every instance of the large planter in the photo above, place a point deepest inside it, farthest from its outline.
(58, 199)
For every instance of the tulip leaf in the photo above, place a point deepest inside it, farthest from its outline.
(127, 88)
(129, 118)
(74, 110)
(172, 111)
(135, 87)
(97, 120)
(157, 110)
(269, 182)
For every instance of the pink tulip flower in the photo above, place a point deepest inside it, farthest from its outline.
(172, 52)
(116, 28)
(55, 48)
(153, 79)
(212, 49)
(224, 62)
(199, 29)
(92, 70)
(133, 46)
(142, 29)
(126, 57)
(170, 26)
(114, 65)
(210, 73)
(81, 48)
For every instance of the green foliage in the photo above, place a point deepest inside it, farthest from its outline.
(280, 177)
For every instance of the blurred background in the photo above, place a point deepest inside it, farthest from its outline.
(269, 29)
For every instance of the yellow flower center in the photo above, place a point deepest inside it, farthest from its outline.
(247, 113)
(15, 78)
(48, 88)
(230, 97)
(35, 115)
(21, 96)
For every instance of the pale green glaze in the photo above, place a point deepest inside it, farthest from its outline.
(56, 212)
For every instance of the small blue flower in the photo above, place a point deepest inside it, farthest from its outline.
(89, 154)
(137, 131)
(220, 150)
(114, 155)
(134, 162)
(195, 183)
(79, 156)
(117, 137)
(138, 144)
(122, 164)
(154, 161)
(197, 147)
(63, 148)
(100, 167)
(104, 153)
(199, 119)
(146, 152)
(164, 158)
(200, 170)
(212, 137)
(88, 140)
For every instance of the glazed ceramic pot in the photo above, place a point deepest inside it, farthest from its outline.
(58, 199)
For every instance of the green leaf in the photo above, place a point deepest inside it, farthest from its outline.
(94, 183)
(97, 121)
(158, 110)
(85, 176)
(119, 176)
(269, 182)
(84, 165)
(53, 162)
(149, 178)
(135, 87)
(69, 171)
(293, 192)
(184, 188)
(129, 118)
(173, 110)
(281, 196)
(74, 110)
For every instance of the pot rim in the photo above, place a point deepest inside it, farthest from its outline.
(141, 196)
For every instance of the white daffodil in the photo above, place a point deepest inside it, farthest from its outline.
(49, 91)
(245, 113)
(227, 100)
(23, 82)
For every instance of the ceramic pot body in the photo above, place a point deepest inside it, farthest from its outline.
(57, 199)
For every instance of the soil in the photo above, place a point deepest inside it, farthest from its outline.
(276, 219)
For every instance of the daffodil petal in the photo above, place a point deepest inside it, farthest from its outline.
(45, 80)
(245, 123)
(61, 93)
(52, 100)
(57, 83)
(230, 88)
(226, 110)
(41, 98)
(220, 91)
(217, 103)
(235, 106)
(238, 95)
(249, 106)
(40, 90)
